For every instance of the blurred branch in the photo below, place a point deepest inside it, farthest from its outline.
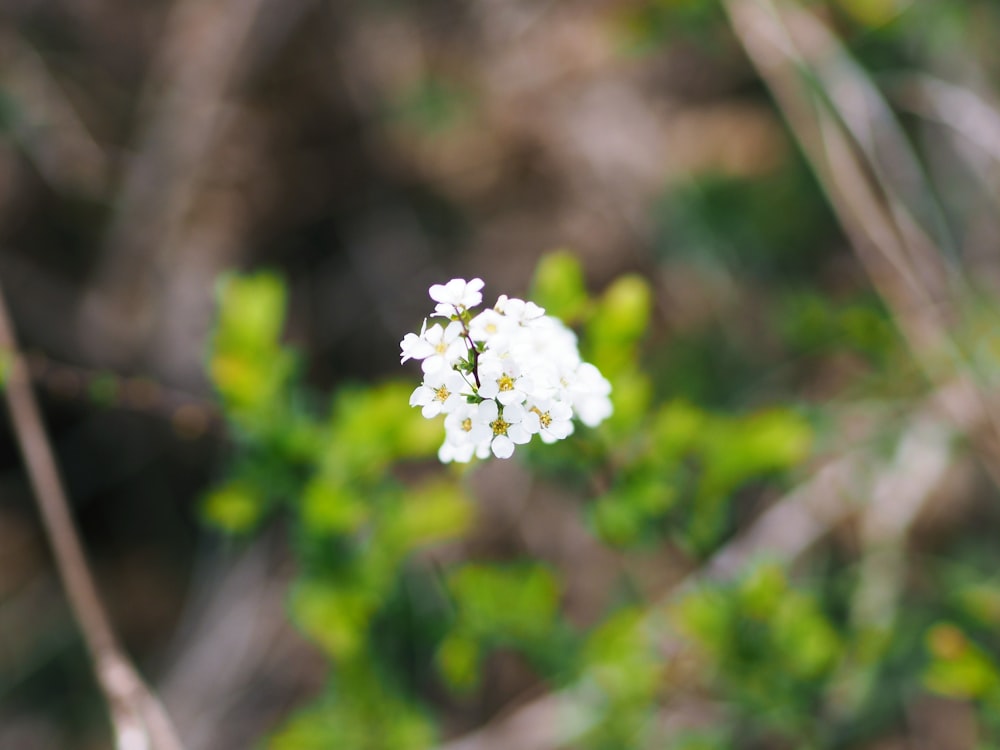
(185, 111)
(138, 718)
(235, 644)
(190, 416)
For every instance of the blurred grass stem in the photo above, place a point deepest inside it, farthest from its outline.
(138, 719)
(845, 130)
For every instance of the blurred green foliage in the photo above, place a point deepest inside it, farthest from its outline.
(408, 641)
(743, 226)
(669, 466)
(670, 471)
(771, 646)
(495, 607)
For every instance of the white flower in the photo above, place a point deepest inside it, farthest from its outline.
(555, 419)
(517, 309)
(514, 427)
(456, 296)
(588, 391)
(415, 346)
(460, 452)
(501, 376)
(441, 392)
(447, 345)
(490, 326)
(465, 434)
(501, 379)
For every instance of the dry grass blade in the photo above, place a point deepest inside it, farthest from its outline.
(138, 719)
(970, 116)
(45, 124)
(835, 123)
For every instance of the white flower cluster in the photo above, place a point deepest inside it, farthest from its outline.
(500, 376)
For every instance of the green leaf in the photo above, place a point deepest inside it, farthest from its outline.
(247, 364)
(559, 286)
(425, 515)
(334, 614)
(618, 322)
(329, 507)
(251, 312)
(959, 668)
(805, 636)
(358, 716)
(762, 591)
(516, 603)
(458, 659)
(234, 507)
(621, 659)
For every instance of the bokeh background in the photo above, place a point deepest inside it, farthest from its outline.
(365, 150)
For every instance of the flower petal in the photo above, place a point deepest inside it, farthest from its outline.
(502, 447)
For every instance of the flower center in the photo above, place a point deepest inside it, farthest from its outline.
(543, 417)
(499, 426)
(506, 383)
(467, 425)
(442, 393)
(441, 347)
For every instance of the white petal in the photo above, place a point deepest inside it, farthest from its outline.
(502, 447)
(518, 434)
(508, 398)
(488, 411)
(441, 292)
(421, 396)
(593, 411)
(433, 364)
(559, 430)
(513, 413)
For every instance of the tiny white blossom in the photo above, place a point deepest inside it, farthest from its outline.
(554, 418)
(456, 296)
(493, 327)
(502, 379)
(514, 427)
(415, 346)
(589, 391)
(447, 344)
(459, 452)
(465, 432)
(440, 393)
(518, 310)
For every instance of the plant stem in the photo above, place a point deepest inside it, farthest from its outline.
(137, 717)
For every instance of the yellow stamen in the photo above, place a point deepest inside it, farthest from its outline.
(506, 383)
(467, 425)
(544, 417)
(499, 426)
(442, 393)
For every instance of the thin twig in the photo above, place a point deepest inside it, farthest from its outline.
(138, 719)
